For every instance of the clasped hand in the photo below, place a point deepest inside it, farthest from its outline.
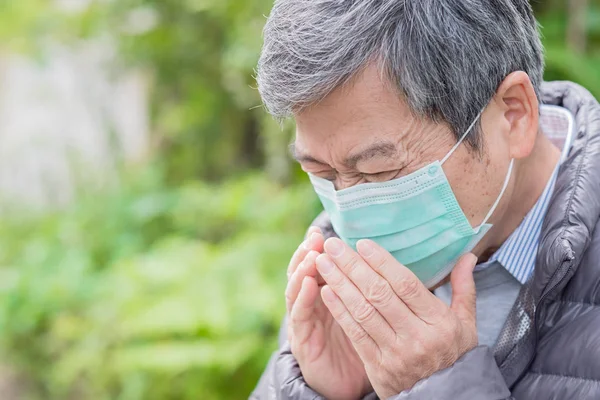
(399, 329)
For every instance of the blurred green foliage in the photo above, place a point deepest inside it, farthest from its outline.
(207, 113)
(169, 285)
(149, 292)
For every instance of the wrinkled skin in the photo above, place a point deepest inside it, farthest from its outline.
(364, 132)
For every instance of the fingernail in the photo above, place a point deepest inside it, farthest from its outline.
(365, 248)
(324, 264)
(306, 244)
(313, 238)
(334, 247)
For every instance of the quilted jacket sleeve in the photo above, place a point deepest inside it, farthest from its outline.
(282, 379)
(473, 376)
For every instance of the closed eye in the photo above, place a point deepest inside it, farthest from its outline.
(383, 176)
(329, 174)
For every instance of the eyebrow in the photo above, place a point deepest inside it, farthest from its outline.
(302, 157)
(379, 149)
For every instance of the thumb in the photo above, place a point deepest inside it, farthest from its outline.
(463, 289)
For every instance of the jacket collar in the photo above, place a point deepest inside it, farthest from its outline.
(575, 205)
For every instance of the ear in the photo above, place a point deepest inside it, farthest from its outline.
(520, 108)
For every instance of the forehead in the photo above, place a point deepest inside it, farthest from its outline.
(361, 114)
(365, 99)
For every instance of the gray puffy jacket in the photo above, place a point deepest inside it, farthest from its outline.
(549, 347)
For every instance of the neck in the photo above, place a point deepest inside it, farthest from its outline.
(531, 177)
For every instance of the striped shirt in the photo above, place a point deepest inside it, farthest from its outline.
(517, 254)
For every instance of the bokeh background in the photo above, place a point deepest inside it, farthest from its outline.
(148, 204)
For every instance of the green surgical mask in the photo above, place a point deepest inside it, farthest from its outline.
(416, 218)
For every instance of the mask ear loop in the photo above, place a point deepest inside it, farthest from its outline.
(462, 138)
(506, 180)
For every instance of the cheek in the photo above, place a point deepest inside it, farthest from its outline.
(473, 185)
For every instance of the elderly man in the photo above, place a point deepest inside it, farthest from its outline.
(457, 257)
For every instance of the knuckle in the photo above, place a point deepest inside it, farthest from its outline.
(296, 260)
(364, 312)
(335, 280)
(351, 264)
(407, 288)
(357, 334)
(379, 293)
(399, 321)
(298, 274)
(288, 299)
(294, 319)
(295, 316)
(291, 268)
(419, 352)
(380, 264)
(338, 314)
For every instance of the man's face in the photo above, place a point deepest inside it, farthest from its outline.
(364, 132)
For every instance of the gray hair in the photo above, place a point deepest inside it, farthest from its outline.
(445, 57)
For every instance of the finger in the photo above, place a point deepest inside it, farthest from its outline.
(297, 258)
(362, 342)
(373, 286)
(301, 317)
(463, 289)
(363, 312)
(317, 241)
(314, 241)
(403, 281)
(306, 268)
(313, 229)
(309, 263)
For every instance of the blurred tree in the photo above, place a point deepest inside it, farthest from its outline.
(207, 115)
